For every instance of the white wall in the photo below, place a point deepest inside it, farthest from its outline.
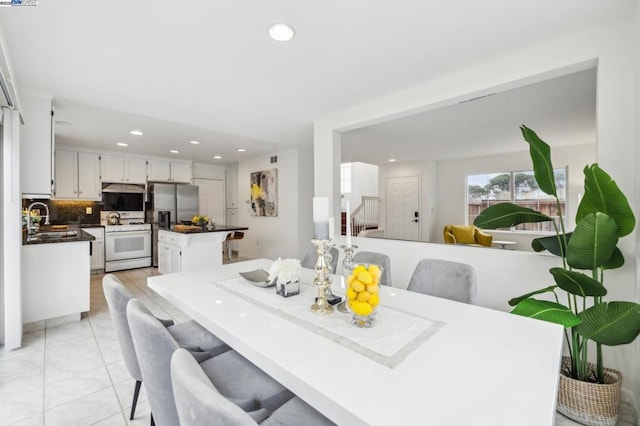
(364, 183)
(287, 234)
(613, 45)
(426, 170)
(208, 171)
(451, 193)
(636, 36)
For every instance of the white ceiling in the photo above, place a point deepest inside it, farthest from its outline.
(562, 111)
(207, 69)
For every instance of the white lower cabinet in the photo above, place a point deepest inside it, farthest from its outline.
(169, 257)
(178, 252)
(55, 280)
(97, 251)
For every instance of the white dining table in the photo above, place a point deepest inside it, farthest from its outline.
(470, 365)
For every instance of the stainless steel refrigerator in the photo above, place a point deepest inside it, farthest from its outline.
(168, 204)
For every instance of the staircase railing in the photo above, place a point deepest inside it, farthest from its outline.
(365, 216)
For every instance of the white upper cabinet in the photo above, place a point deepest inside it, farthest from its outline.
(136, 169)
(36, 147)
(66, 179)
(112, 168)
(123, 169)
(89, 184)
(169, 171)
(180, 172)
(77, 175)
(159, 171)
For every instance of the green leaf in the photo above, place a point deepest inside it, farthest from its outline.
(547, 311)
(615, 261)
(611, 324)
(551, 244)
(601, 194)
(516, 300)
(506, 215)
(592, 242)
(577, 283)
(541, 157)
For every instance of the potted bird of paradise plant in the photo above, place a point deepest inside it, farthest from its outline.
(578, 292)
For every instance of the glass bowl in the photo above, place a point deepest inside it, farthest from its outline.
(362, 294)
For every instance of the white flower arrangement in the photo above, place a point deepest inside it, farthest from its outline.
(285, 271)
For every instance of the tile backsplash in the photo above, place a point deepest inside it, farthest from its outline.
(69, 211)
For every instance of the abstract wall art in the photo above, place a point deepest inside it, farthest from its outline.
(264, 193)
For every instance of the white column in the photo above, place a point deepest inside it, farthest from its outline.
(11, 237)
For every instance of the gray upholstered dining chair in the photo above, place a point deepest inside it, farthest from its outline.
(310, 257)
(446, 279)
(378, 259)
(235, 377)
(189, 334)
(199, 402)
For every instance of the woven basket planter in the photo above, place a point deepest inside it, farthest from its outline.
(591, 404)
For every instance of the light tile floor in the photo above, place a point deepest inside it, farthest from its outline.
(74, 374)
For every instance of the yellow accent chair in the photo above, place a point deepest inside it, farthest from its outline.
(466, 234)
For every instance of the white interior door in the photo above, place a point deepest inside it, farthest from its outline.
(212, 199)
(403, 208)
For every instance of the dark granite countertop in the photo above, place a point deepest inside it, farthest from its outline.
(43, 238)
(215, 228)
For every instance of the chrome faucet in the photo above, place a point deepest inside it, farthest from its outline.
(46, 219)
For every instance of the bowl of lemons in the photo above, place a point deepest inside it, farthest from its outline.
(200, 221)
(363, 295)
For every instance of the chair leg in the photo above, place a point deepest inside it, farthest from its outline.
(136, 393)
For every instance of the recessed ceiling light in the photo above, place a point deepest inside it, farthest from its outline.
(217, 157)
(122, 144)
(136, 132)
(194, 142)
(62, 123)
(392, 160)
(174, 151)
(281, 32)
(241, 150)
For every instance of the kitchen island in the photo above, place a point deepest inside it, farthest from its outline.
(55, 274)
(187, 248)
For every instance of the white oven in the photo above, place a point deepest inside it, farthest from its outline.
(126, 249)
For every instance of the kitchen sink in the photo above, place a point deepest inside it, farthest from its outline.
(51, 235)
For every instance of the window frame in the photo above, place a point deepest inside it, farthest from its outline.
(513, 200)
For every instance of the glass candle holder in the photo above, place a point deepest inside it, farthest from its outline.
(363, 295)
(288, 289)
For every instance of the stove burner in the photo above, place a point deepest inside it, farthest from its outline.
(136, 223)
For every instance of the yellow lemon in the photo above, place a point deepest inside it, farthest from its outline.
(359, 269)
(363, 296)
(374, 270)
(351, 294)
(373, 288)
(350, 278)
(350, 303)
(357, 286)
(365, 277)
(374, 300)
(361, 308)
